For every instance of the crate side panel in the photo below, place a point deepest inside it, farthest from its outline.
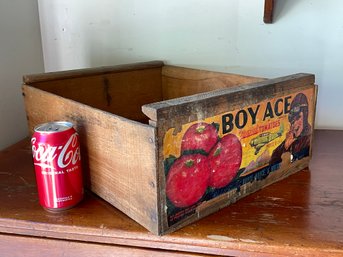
(178, 81)
(119, 155)
(217, 101)
(121, 93)
(254, 118)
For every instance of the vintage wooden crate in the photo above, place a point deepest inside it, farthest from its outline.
(169, 145)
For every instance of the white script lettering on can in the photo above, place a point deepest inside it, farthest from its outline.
(44, 155)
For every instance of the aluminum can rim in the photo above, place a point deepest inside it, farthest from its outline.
(49, 125)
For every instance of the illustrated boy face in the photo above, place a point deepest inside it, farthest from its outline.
(297, 124)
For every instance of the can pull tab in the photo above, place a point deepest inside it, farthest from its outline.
(54, 128)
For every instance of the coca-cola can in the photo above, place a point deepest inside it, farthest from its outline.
(57, 162)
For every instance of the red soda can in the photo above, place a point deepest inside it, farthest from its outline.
(57, 162)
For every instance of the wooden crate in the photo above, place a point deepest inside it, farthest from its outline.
(169, 145)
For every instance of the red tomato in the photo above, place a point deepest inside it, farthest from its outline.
(187, 180)
(201, 136)
(224, 160)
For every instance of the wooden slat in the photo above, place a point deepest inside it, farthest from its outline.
(120, 93)
(231, 98)
(118, 155)
(268, 11)
(19, 246)
(178, 81)
(34, 78)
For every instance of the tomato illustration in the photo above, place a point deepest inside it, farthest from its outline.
(187, 180)
(224, 160)
(201, 136)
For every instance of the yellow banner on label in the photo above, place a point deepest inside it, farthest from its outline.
(260, 128)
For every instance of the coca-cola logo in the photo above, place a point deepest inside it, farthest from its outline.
(47, 156)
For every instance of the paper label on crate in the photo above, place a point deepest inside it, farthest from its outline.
(218, 155)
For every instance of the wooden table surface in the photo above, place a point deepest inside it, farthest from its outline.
(301, 215)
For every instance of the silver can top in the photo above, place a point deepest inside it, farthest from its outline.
(53, 127)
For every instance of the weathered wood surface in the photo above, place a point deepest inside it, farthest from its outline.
(188, 108)
(33, 247)
(178, 81)
(121, 92)
(174, 113)
(88, 72)
(268, 11)
(118, 154)
(105, 105)
(300, 215)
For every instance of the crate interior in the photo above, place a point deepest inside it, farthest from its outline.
(123, 93)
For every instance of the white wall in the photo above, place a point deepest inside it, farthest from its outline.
(20, 53)
(223, 35)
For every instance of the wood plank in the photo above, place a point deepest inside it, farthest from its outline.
(118, 155)
(178, 81)
(268, 11)
(19, 246)
(300, 215)
(35, 78)
(227, 99)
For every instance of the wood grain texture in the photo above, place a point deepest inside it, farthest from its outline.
(118, 155)
(178, 81)
(113, 143)
(298, 216)
(88, 72)
(33, 247)
(121, 93)
(224, 100)
(105, 104)
(268, 11)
